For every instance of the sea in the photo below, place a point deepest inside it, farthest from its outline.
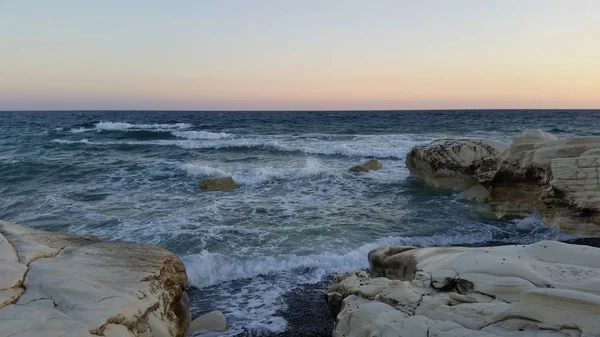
(298, 216)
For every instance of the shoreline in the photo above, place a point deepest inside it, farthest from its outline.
(307, 314)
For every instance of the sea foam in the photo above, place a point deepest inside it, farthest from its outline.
(120, 126)
(257, 175)
(200, 134)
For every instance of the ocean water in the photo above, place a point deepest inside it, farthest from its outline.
(298, 216)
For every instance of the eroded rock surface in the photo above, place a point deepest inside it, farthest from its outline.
(451, 163)
(557, 178)
(58, 285)
(544, 289)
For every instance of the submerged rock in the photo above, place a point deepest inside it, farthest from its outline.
(557, 178)
(543, 289)
(476, 193)
(451, 163)
(218, 184)
(60, 285)
(370, 165)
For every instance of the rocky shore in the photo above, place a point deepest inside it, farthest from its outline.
(544, 289)
(557, 178)
(59, 285)
(307, 314)
(53, 284)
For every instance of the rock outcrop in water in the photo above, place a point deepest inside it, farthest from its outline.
(218, 184)
(370, 165)
(559, 178)
(59, 285)
(475, 193)
(451, 163)
(544, 289)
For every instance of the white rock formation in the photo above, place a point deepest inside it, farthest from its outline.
(528, 140)
(212, 321)
(531, 153)
(59, 285)
(451, 163)
(557, 178)
(544, 289)
(578, 180)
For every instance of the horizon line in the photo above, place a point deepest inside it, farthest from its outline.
(297, 110)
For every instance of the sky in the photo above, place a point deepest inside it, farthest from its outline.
(299, 55)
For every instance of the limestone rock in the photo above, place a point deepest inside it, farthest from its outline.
(212, 321)
(544, 289)
(81, 286)
(531, 161)
(530, 140)
(370, 165)
(475, 193)
(387, 261)
(451, 163)
(218, 184)
(517, 200)
(591, 152)
(577, 180)
(556, 178)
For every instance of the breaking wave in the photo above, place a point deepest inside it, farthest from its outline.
(119, 126)
(177, 130)
(66, 141)
(257, 175)
(200, 134)
(207, 269)
(367, 147)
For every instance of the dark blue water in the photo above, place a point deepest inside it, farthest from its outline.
(298, 216)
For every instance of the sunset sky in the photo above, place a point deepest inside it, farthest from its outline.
(298, 55)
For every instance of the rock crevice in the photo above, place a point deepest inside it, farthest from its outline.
(547, 289)
(58, 285)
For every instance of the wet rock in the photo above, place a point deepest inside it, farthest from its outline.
(218, 184)
(557, 178)
(476, 193)
(212, 321)
(451, 163)
(371, 165)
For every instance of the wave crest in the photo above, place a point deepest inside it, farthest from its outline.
(207, 269)
(200, 134)
(382, 146)
(120, 126)
(66, 141)
(257, 175)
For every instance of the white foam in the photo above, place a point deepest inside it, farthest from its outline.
(200, 134)
(361, 148)
(120, 126)
(202, 170)
(253, 307)
(257, 175)
(66, 141)
(535, 229)
(210, 269)
(81, 130)
(207, 269)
